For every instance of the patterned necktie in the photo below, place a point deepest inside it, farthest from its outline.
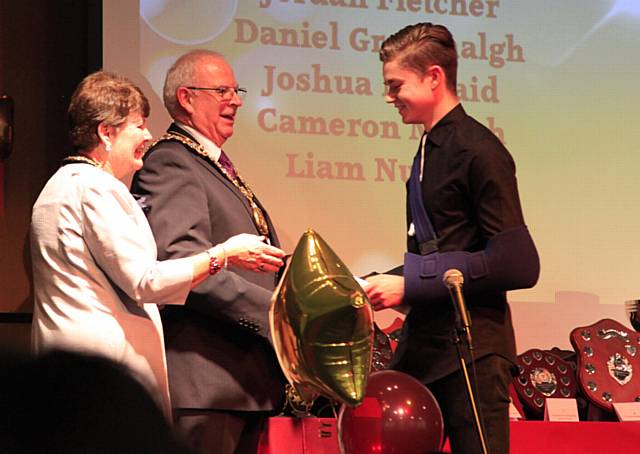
(259, 217)
(227, 165)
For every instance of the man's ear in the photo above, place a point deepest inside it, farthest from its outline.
(184, 97)
(438, 77)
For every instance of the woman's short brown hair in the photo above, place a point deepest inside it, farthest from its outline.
(102, 97)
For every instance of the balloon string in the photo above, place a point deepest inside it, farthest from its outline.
(339, 428)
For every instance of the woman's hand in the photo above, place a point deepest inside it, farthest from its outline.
(252, 253)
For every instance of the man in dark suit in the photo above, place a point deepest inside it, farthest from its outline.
(223, 374)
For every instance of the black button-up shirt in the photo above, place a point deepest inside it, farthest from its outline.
(470, 193)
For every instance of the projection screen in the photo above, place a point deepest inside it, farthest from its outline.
(555, 81)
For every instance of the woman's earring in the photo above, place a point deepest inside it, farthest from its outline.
(107, 147)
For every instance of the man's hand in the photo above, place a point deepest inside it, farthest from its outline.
(385, 291)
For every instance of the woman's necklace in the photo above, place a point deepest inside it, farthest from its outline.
(80, 159)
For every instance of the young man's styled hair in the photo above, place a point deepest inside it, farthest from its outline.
(422, 45)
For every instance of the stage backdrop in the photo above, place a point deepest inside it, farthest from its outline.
(556, 82)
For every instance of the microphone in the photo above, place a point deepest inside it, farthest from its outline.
(453, 280)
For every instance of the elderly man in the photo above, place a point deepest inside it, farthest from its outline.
(223, 374)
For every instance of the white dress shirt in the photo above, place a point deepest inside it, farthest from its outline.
(211, 148)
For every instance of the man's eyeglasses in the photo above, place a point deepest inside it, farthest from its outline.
(225, 93)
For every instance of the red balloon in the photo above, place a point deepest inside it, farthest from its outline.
(399, 415)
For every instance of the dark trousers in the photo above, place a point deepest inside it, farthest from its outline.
(494, 377)
(220, 432)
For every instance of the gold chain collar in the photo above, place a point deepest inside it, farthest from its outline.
(80, 159)
(259, 218)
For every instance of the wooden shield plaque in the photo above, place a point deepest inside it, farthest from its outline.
(541, 374)
(608, 362)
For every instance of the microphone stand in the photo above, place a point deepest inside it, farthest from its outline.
(453, 279)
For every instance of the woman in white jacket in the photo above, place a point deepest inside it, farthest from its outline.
(97, 280)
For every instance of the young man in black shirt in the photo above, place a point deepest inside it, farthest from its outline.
(463, 183)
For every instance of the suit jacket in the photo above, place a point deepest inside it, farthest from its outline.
(218, 344)
(96, 276)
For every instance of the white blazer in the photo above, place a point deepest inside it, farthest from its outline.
(97, 280)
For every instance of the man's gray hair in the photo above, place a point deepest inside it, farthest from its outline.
(182, 74)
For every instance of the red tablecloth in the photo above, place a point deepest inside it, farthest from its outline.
(575, 437)
(319, 436)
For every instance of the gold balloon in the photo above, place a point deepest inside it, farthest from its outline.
(322, 325)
